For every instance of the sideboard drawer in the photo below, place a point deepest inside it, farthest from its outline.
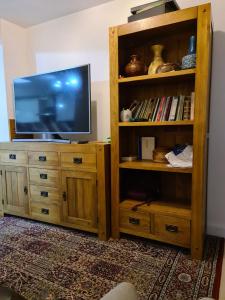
(173, 229)
(78, 160)
(135, 221)
(44, 177)
(45, 212)
(44, 194)
(13, 157)
(43, 158)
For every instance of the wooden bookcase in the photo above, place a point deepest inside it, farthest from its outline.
(177, 215)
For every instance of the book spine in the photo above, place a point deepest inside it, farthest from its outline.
(158, 118)
(168, 108)
(173, 110)
(156, 109)
(172, 116)
(187, 108)
(192, 105)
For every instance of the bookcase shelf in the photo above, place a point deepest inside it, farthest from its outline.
(158, 77)
(180, 220)
(164, 123)
(153, 166)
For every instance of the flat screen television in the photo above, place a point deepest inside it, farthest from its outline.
(56, 102)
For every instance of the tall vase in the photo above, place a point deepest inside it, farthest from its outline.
(157, 61)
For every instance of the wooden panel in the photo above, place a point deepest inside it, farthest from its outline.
(76, 160)
(16, 190)
(163, 123)
(1, 190)
(104, 191)
(200, 129)
(172, 229)
(150, 165)
(83, 148)
(114, 106)
(165, 208)
(159, 21)
(80, 203)
(44, 177)
(45, 212)
(44, 194)
(13, 133)
(157, 77)
(43, 158)
(135, 221)
(13, 157)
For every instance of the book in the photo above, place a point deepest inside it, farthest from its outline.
(147, 147)
(160, 110)
(192, 105)
(187, 108)
(156, 109)
(173, 110)
(153, 109)
(179, 116)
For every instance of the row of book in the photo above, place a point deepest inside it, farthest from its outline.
(172, 108)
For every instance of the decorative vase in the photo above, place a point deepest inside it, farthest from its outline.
(135, 67)
(189, 60)
(157, 61)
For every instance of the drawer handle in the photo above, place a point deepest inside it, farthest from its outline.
(77, 160)
(45, 211)
(44, 194)
(12, 156)
(42, 158)
(64, 196)
(25, 190)
(44, 176)
(171, 228)
(134, 221)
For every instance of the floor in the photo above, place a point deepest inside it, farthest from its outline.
(222, 284)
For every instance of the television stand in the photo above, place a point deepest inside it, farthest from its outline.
(60, 141)
(61, 184)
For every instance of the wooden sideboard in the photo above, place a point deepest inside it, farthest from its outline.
(64, 184)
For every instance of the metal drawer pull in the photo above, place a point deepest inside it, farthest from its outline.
(12, 156)
(44, 176)
(77, 160)
(171, 228)
(44, 194)
(45, 211)
(134, 221)
(42, 158)
(25, 190)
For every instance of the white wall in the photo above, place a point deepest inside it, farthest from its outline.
(79, 39)
(17, 59)
(83, 38)
(4, 128)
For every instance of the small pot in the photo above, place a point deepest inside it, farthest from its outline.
(135, 67)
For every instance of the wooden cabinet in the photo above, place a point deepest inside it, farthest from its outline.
(59, 184)
(177, 196)
(15, 190)
(80, 205)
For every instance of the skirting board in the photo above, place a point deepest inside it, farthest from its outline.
(216, 230)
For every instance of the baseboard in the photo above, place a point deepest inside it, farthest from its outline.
(216, 230)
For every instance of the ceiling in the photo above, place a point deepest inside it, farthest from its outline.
(32, 12)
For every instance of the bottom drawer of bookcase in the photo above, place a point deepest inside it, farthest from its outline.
(135, 221)
(172, 229)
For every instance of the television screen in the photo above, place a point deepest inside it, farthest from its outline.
(56, 102)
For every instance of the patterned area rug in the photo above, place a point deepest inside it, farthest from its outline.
(35, 257)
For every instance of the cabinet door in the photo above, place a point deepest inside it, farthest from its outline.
(80, 205)
(1, 190)
(15, 190)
